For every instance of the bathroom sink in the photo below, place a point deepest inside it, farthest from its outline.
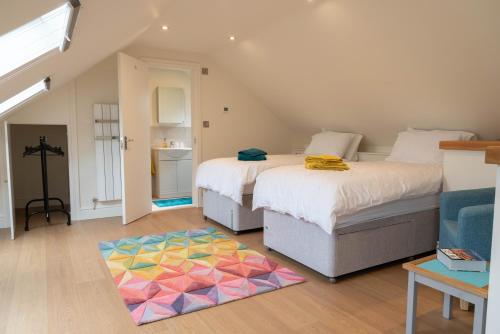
(172, 149)
(169, 153)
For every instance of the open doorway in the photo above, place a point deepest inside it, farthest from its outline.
(171, 138)
(27, 176)
(136, 92)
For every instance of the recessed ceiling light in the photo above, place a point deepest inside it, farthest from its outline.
(164, 27)
(232, 38)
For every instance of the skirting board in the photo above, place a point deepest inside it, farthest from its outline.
(82, 214)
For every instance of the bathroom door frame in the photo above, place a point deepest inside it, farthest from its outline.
(196, 122)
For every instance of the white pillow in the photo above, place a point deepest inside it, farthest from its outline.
(464, 135)
(328, 142)
(352, 152)
(421, 146)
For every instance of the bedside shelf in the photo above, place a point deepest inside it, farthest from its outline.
(474, 145)
(493, 155)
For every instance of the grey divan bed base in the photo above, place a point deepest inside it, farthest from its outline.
(230, 214)
(351, 248)
(348, 249)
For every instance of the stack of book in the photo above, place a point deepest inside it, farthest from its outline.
(461, 259)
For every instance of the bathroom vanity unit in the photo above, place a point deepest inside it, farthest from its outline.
(173, 172)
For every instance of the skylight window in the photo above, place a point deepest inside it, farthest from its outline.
(24, 96)
(31, 41)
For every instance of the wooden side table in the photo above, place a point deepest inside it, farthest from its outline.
(468, 286)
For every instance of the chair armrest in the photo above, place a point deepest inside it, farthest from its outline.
(475, 226)
(453, 201)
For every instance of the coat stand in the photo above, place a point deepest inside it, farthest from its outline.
(43, 150)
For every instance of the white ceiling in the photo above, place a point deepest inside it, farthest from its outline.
(203, 26)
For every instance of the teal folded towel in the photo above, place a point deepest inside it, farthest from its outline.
(252, 154)
(244, 157)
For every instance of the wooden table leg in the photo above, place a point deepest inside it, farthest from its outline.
(411, 307)
(479, 317)
(447, 305)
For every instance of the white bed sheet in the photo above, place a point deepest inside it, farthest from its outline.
(232, 178)
(391, 209)
(321, 197)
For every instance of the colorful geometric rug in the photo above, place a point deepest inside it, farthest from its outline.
(161, 276)
(165, 203)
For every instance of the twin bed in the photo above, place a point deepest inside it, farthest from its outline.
(338, 223)
(333, 222)
(228, 189)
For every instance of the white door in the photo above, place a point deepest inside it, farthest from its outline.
(134, 130)
(11, 215)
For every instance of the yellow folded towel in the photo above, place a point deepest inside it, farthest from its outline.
(323, 158)
(325, 162)
(316, 166)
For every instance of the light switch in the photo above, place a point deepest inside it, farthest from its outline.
(226, 109)
(206, 124)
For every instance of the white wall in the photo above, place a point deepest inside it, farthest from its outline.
(71, 105)
(467, 170)
(493, 321)
(27, 172)
(375, 67)
(3, 182)
(53, 109)
(98, 85)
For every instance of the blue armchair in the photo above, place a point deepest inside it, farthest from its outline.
(467, 220)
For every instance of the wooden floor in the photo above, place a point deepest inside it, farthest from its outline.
(53, 280)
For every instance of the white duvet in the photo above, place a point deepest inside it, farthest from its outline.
(228, 176)
(320, 197)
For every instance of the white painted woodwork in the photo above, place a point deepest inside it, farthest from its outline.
(167, 174)
(184, 172)
(134, 124)
(174, 170)
(493, 321)
(11, 214)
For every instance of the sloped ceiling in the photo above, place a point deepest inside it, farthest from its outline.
(103, 27)
(374, 67)
(203, 26)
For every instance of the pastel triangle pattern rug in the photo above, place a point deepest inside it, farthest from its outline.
(165, 275)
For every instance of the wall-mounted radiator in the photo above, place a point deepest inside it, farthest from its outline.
(107, 152)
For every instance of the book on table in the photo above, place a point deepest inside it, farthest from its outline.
(461, 259)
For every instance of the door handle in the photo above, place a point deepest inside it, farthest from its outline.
(124, 142)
